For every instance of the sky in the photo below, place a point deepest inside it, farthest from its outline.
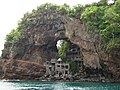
(12, 10)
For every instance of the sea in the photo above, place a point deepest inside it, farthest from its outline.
(33, 85)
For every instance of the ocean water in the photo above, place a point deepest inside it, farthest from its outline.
(27, 85)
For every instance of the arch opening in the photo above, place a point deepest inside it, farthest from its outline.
(71, 54)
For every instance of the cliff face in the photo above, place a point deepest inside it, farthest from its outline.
(40, 38)
(38, 43)
(77, 34)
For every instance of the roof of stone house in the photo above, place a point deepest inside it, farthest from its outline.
(59, 59)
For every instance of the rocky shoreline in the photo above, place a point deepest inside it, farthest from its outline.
(24, 59)
(81, 80)
(21, 70)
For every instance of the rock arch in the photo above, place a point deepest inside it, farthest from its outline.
(47, 29)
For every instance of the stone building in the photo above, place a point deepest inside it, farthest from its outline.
(61, 69)
(57, 68)
(75, 55)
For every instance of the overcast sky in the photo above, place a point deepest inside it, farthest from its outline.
(12, 10)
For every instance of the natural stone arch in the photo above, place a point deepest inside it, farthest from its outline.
(50, 27)
(79, 35)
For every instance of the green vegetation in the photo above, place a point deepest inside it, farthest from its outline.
(13, 36)
(99, 18)
(63, 49)
(104, 20)
(73, 67)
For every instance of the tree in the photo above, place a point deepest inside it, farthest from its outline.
(63, 49)
(104, 20)
(76, 11)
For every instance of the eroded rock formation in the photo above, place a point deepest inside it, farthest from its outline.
(38, 43)
(19, 69)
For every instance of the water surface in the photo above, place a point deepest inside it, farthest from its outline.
(27, 85)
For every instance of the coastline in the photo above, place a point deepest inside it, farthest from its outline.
(44, 85)
(13, 75)
(81, 80)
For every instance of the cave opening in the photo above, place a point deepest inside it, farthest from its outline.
(71, 54)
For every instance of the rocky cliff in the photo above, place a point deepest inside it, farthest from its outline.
(20, 69)
(38, 42)
(40, 38)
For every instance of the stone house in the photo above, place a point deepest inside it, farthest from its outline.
(57, 68)
(61, 69)
(75, 55)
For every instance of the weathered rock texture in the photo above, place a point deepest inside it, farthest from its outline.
(23, 70)
(113, 62)
(77, 34)
(38, 43)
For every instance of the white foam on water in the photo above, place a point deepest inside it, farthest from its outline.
(6, 86)
(63, 86)
(27, 85)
